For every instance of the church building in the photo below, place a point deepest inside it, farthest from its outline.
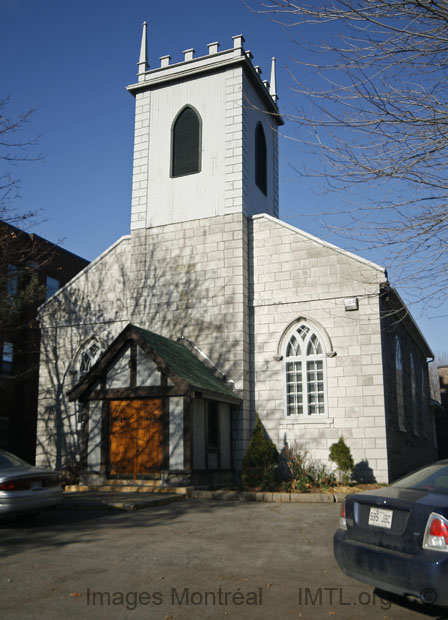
(157, 357)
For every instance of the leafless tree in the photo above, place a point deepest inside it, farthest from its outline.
(20, 289)
(15, 147)
(372, 76)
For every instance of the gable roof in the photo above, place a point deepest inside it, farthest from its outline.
(172, 359)
(397, 309)
(323, 243)
(84, 271)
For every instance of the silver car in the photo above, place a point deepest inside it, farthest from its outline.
(25, 489)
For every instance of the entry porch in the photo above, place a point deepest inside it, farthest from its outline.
(150, 409)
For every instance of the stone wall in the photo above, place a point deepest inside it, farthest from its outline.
(296, 275)
(413, 445)
(234, 286)
(191, 279)
(93, 304)
(188, 279)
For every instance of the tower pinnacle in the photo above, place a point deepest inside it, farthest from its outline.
(143, 64)
(273, 86)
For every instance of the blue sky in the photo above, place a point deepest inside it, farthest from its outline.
(71, 62)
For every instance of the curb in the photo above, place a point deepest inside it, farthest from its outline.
(75, 501)
(279, 498)
(105, 504)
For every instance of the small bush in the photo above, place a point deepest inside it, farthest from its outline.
(321, 476)
(70, 472)
(260, 461)
(341, 455)
(304, 474)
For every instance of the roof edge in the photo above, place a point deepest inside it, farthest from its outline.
(408, 318)
(84, 271)
(320, 241)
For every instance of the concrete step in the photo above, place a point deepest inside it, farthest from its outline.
(128, 488)
(145, 482)
(90, 500)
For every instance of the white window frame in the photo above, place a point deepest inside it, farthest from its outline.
(175, 154)
(304, 358)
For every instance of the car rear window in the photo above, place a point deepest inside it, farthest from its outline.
(10, 460)
(433, 479)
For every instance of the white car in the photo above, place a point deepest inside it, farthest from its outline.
(25, 489)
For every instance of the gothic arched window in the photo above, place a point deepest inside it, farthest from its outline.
(414, 398)
(399, 385)
(186, 143)
(423, 402)
(305, 371)
(87, 356)
(261, 166)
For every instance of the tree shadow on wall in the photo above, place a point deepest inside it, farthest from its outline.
(164, 289)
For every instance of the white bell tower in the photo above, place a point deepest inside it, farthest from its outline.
(205, 138)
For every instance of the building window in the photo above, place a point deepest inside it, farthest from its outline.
(414, 404)
(7, 358)
(399, 385)
(89, 356)
(186, 143)
(305, 370)
(52, 285)
(423, 402)
(261, 159)
(13, 281)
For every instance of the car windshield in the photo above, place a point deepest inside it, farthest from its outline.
(433, 478)
(10, 460)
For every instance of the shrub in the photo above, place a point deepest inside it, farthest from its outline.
(70, 473)
(296, 472)
(341, 455)
(260, 461)
(321, 476)
(304, 474)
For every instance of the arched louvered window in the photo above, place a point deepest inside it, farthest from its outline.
(261, 172)
(186, 143)
(305, 370)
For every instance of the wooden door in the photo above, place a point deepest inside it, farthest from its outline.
(135, 437)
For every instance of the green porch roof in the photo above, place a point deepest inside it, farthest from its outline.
(172, 358)
(184, 363)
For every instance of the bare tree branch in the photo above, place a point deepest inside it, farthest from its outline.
(373, 81)
(14, 148)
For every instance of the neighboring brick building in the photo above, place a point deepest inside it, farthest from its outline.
(32, 267)
(307, 335)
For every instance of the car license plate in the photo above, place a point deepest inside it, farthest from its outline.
(381, 517)
(36, 485)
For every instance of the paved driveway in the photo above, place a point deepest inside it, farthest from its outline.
(192, 559)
